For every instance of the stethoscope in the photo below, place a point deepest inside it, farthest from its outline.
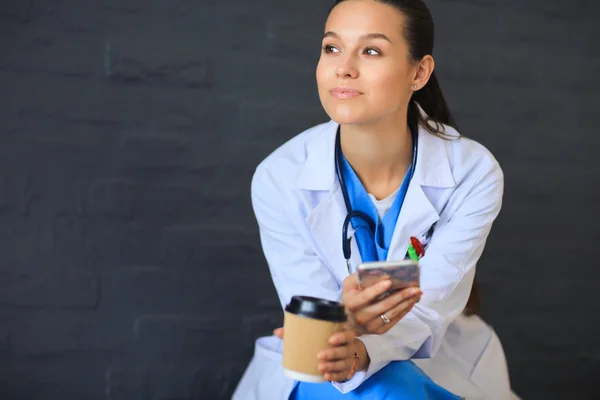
(339, 169)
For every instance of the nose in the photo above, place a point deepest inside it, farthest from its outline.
(346, 70)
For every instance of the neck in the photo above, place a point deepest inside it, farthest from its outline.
(380, 153)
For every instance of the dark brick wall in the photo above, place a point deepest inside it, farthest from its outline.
(130, 266)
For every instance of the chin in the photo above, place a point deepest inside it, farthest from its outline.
(347, 115)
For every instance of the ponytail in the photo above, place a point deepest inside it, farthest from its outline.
(431, 99)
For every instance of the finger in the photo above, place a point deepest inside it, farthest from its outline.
(335, 366)
(278, 332)
(390, 302)
(365, 297)
(372, 313)
(383, 328)
(336, 353)
(342, 338)
(350, 282)
(403, 308)
(395, 315)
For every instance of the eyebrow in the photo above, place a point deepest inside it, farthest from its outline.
(367, 36)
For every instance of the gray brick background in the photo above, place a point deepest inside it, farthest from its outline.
(130, 266)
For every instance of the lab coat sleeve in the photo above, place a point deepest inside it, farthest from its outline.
(295, 268)
(447, 273)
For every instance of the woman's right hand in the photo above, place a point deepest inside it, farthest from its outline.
(339, 362)
(366, 313)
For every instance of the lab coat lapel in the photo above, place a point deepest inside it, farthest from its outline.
(418, 214)
(415, 218)
(326, 219)
(326, 224)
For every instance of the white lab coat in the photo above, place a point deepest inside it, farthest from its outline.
(457, 188)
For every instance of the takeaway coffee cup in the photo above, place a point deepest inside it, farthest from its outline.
(308, 324)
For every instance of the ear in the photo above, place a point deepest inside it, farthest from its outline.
(423, 72)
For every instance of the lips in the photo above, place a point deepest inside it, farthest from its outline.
(344, 92)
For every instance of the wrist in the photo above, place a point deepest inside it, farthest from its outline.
(362, 354)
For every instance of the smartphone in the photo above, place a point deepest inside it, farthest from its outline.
(402, 273)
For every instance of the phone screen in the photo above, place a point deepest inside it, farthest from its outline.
(403, 274)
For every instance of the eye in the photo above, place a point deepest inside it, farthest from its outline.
(372, 51)
(329, 49)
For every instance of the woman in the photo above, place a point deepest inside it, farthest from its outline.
(391, 150)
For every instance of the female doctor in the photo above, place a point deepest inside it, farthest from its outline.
(392, 152)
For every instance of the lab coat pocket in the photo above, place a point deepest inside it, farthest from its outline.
(264, 378)
(425, 236)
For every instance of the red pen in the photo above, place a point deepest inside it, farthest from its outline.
(418, 246)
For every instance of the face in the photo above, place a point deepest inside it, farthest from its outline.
(365, 72)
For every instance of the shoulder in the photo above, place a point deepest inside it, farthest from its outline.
(281, 168)
(466, 179)
(469, 159)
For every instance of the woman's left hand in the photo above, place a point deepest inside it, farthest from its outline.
(366, 310)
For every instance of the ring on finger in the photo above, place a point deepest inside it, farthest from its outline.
(385, 318)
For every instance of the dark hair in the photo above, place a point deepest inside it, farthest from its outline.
(419, 34)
